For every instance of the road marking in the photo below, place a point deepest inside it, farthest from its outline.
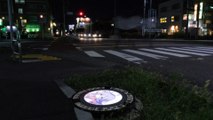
(127, 57)
(69, 92)
(31, 61)
(93, 54)
(146, 54)
(193, 50)
(201, 48)
(163, 52)
(185, 52)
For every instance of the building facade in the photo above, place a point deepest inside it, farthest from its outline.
(31, 18)
(170, 15)
(193, 17)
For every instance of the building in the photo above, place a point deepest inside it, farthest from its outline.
(203, 17)
(170, 15)
(186, 16)
(31, 17)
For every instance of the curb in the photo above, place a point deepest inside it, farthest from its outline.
(69, 92)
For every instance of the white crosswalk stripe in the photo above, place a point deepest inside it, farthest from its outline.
(164, 52)
(126, 56)
(193, 50)
(201, 48)
(145, 54)
(93, 54)
(185, 52)
(138, 56)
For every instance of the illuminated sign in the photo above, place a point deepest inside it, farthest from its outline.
(32, 28)
(195, 12)
(1, 22)
(201, 11)
(103, 99)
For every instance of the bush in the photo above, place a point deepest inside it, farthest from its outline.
(163, 99)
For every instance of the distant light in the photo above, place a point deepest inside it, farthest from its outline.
(153, 20)
(201, 11)
(87, 19)
(25, 21)
(3, 18)
(94, 35)
(54, 24)
(195, 12)
(21, 18)
(13, 27)
(211, 7)
(1, 22)
(81, 13)
(41, 16)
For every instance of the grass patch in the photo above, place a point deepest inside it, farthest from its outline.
(162, 98)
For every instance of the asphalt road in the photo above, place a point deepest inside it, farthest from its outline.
(186, 60)
(28, 90)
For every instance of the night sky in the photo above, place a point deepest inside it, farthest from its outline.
(100, 9)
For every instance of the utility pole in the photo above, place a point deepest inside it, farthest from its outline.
(115, 14)
(144, 19)
(64, 17)
(16, 50)
(115, 4)
(10, 9)
(144, 9)
(187, 19)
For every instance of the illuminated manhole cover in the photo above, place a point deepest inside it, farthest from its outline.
(103, 99)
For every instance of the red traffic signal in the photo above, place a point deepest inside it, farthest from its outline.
(81, 13)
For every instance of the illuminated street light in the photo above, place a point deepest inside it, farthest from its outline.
(41, 16)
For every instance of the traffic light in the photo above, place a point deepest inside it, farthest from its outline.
(81, 13)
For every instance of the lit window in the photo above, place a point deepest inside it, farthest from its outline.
(185, 17)
(173, 29)
(20, 11)
(173, 19)
(208, 21)
(163, 20)
(20, 1)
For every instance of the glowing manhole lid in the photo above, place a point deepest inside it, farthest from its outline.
(102, 99)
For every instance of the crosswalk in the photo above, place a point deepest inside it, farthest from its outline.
(140, 55)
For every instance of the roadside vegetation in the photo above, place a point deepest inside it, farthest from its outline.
(170, 98)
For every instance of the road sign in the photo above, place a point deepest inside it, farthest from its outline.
(152, 30)
(69, 13)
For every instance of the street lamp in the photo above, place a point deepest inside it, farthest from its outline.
(42, 25)
(41, 16)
